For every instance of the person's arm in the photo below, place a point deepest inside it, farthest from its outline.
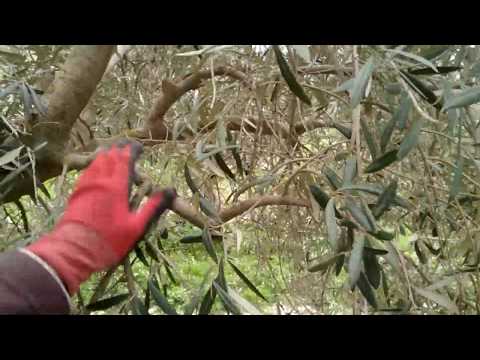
(95, 233)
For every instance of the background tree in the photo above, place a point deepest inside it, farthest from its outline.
(312, 178)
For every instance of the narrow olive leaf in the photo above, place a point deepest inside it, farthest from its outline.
(319, 195)
(465, 98)
(331, 222)
(410, 140)
(359, 214)
(385, 199)
(160, 299)
(370, 217)
(440, 70)
(382, 162)
(27, 102)
(247, 281)
(243, 304)
(375, 251)
(223, 166)
(361, 81)
(366, 188)
(371, 143)
(227, 301)
(140, 255)
(107, 303)
(347, 132)
(324, 263)
(10, 156)
(189, 180)
(151, 251)
(146, 301)
(388, 131)
(289, 77)
(207, 242)
(191, 239)
(372, 268)
(238, 162)
(37, 101)
(404, 108)
(383, 235)
(190, 307)
(203, 156)
(339, 264)
(420, 88)
(208, 301)
(421, 257)
(332, 177)
(366, 290)
(416, 58)
(350, 171)
(10, 89)
(221, 280)
(209, 210)
(393, 88)
(457, 180)
(347, 85)
(355, 261)
(138, 308)
(163, 234)
(441, 300)
(169, 273)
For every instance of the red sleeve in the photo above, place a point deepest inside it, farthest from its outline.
(30, 286)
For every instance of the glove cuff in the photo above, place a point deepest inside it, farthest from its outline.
(74, 252)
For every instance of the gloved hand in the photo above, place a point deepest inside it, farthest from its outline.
(98, 227)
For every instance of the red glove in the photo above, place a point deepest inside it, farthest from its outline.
(98, 228)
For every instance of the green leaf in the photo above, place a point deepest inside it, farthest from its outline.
(386, 198)
(151, 251)
(208, 301)
(465, 98)
(359, 214)
(416, 58)
(420, 88)
(441, 300)
(347, 85)
(247, 281)
(332, 177)
(347, 132)
(223, 166)
(202, 156)
(374, 251)
(238, 161)
(10, 156)
(368, 213)
(440, 69)
(383, 235)
(191, 239)
(418, 251)
(207, 242)
(331, 222)
(410, 140)
(138, 308)
(350, 170)
(160, 299)
(339, 264)
(209, 210)
(189, 179)
(227, 300)
(371, 143)
(366, 290)
(403, 111)
(388, 131)
(457, 179)
(361, 81)
(372, 268)
(107, 303)
(382, 162)
(289, 77)
(319, 195)
(141, 256)
(355, 261)
(324, 263)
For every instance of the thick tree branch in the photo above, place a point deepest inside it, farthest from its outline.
(186, 211)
